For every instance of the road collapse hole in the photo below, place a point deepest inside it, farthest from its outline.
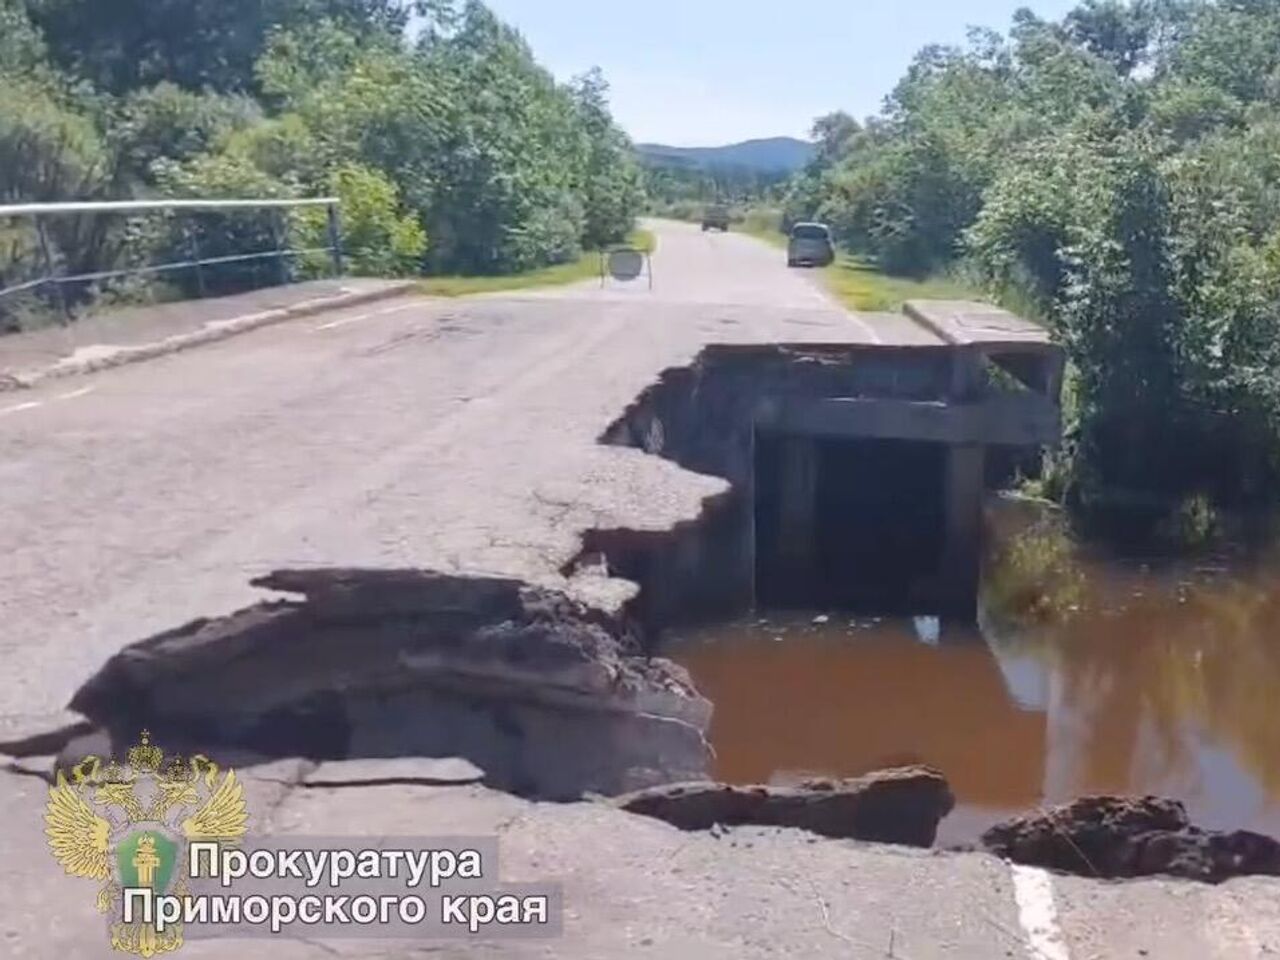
(855, 525)
(819, 514)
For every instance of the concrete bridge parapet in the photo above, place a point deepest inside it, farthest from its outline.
(858, 470)
(1003, 389)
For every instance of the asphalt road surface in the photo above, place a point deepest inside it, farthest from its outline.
(453, 434)
(462, 435)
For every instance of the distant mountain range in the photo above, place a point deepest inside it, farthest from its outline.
(769, 155)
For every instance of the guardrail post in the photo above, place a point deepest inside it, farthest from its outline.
(335, 239)
(46, 251)
(193, 249)
(277, 237)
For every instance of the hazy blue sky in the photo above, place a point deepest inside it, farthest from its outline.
(698, 72)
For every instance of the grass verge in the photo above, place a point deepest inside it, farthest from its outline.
(860, 285)
(586, 267)
(767, 234)
(643, 240)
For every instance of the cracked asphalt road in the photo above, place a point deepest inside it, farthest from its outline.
(462, 435)
(452, 434)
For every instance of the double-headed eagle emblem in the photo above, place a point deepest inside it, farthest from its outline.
(130, 826)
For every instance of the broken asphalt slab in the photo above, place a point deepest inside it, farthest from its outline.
(901, 806)
(1125, 837)
(427, 771)
(544, 694)
(31, 736)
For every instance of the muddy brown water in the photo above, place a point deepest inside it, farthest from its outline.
(1156, 679)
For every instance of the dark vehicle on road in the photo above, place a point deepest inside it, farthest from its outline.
(716, 217)
(810, 245)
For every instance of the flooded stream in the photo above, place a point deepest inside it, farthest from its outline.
(1158, 678)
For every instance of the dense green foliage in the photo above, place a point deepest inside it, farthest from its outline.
(452, 150)
(1118, 174)
(124, 45)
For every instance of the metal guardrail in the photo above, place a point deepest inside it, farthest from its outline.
(39, 212)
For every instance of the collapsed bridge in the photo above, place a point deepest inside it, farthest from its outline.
(857, 470)
(855, 476)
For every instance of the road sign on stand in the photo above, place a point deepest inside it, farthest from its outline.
(625, 264)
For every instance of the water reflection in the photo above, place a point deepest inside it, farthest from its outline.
(1164, 681)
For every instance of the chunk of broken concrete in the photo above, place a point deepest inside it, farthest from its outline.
(902, 805)
(1131, 837)
(41, 767)
(445, 771)
(539, 691)
(32, 736)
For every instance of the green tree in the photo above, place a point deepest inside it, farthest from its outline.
(1115, 172)
(216, 234)
(22, 48)
(504, 183)
(49, 152)
(832, 133)
(612, 188)
(124, 45)
(1117, 32)
(379, 238)
(460, 136)
(1233, 46)
(167, 122)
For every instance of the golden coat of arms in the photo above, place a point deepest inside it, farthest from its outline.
(130, 826)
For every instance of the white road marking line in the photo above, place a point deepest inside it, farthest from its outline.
(1033, 892)
(332, 324)
(75, 393)
(30, 404)
(875, 337)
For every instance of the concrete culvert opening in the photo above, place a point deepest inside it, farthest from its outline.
(855, 477)
(856, 524)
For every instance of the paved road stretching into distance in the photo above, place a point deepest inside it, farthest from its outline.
(462, 435)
